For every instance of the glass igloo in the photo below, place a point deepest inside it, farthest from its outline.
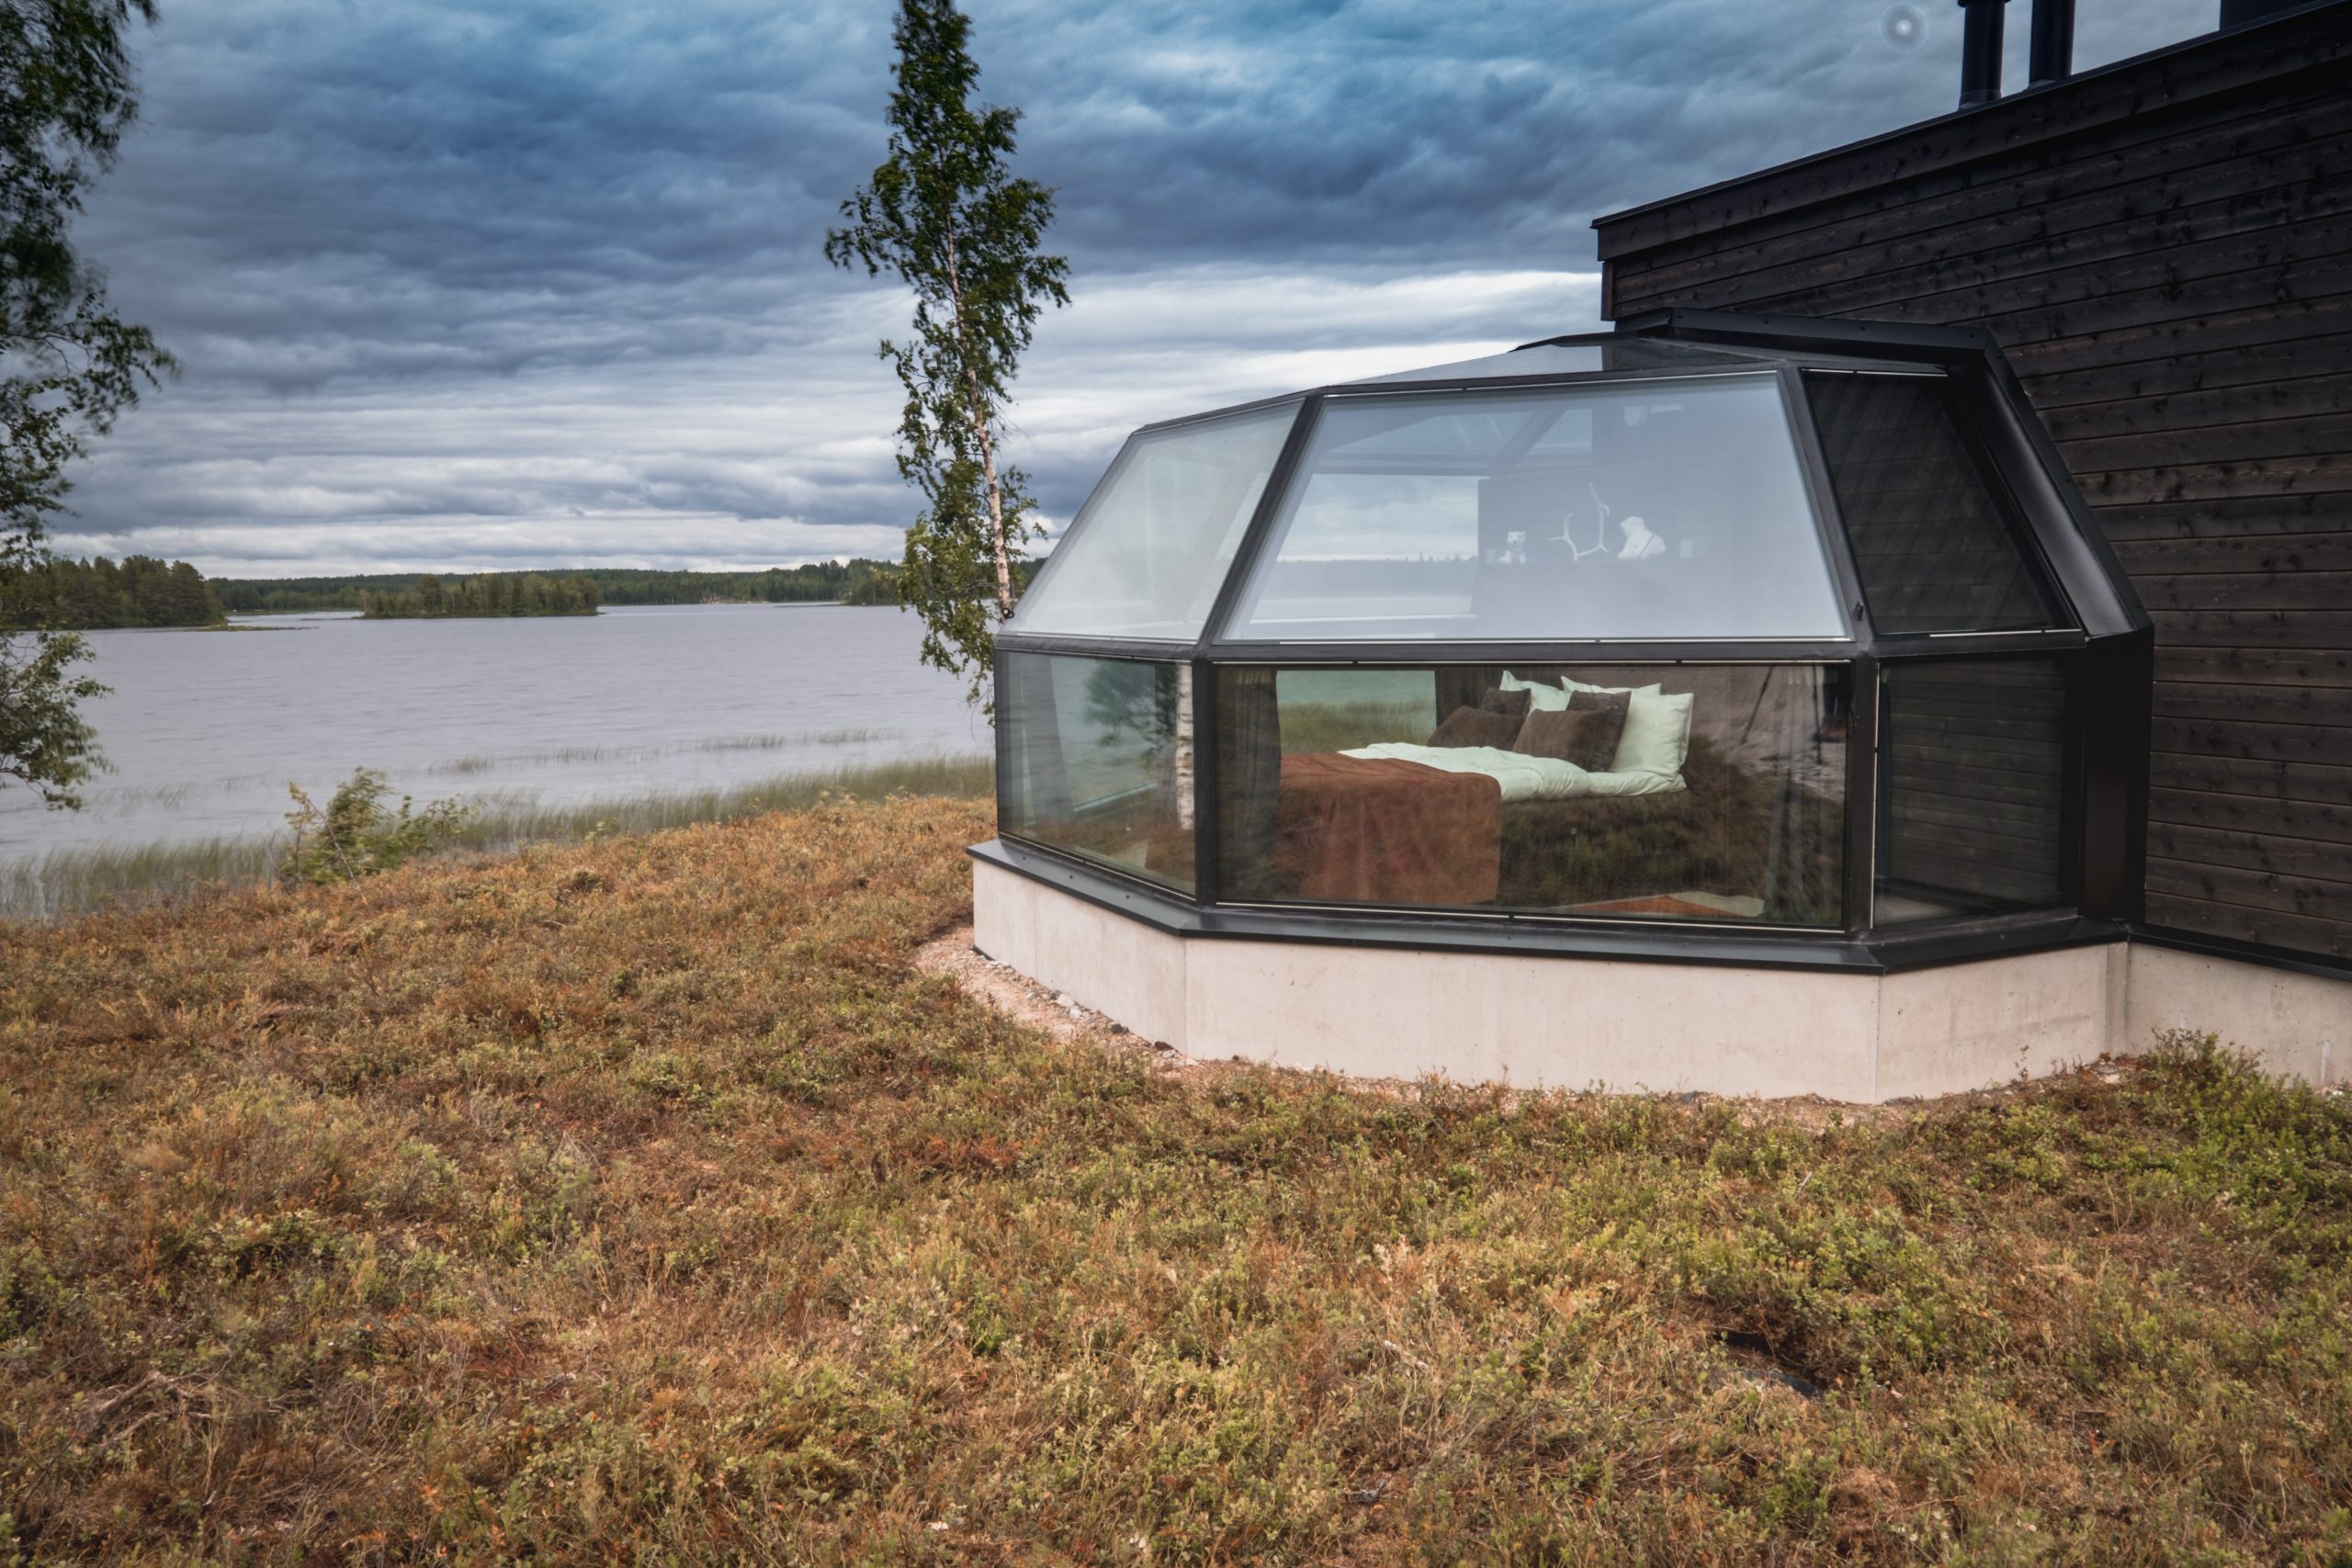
(1752, 639)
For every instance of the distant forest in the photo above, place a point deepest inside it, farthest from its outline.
(491, 593)
(855, 582)
(93, 594)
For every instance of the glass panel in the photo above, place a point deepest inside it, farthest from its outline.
(1974, 803)
(1646, 510)
(1934, 548)
(1095, 757)
(1577, 359)
(1146, 555)
(1635, 792)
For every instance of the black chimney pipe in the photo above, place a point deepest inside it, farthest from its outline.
(2053, 41)
(1980, 51)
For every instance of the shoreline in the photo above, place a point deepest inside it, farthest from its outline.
(61, 884)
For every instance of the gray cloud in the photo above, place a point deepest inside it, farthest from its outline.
(463, 283)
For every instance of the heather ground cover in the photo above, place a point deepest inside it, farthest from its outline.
(641, 1200)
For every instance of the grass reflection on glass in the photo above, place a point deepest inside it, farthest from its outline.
(1339, 727)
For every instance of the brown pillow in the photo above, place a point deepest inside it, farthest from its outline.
(1471, 726)
(1584, 732)
(1510, 704)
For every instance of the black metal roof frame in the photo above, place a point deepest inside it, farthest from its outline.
(2076, 561)
(2111, 638)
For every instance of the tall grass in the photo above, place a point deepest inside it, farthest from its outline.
(72, 881)
(483, 762)
(504, 827)
(69, 881)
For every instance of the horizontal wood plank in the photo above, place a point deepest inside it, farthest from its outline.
(2212, 482)
(2327, 821)
(2322, 706)
(2250, 333)
(2238, 738)
(2247, 590)
(2105, 288)
(2236, 850)
(2307, 436)
(2318, 392)
(2244, 667)
(2255, 778)
(2313, 897)
(2280, 554)
(2304, 512)
(2297, 934)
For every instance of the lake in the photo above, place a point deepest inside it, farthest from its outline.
(206, 728)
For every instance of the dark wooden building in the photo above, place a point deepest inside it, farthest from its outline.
(2163, 248)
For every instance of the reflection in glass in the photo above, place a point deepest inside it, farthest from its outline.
(1974, 803)
(1663, 509)
(1935, 552)
(1720, 797)
(1095, 757)
(1579, 359)
(1147, 554)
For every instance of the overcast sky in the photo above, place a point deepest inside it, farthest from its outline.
(539, 282)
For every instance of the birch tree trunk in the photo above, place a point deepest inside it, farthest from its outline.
(980, 416)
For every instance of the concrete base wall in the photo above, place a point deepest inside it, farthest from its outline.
(1577, 1024)
(2301, 1025)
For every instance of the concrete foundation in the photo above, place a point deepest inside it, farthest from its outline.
(1547, 1021)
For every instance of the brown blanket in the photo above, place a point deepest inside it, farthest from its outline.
(1357, 830)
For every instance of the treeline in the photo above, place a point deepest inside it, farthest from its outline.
(92, 595)
(850, 582)
(491, 593)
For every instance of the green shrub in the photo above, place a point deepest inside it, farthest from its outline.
(357, 835)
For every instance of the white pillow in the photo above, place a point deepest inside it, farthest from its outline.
(1657, 729)
(1657, 734)
(1541, 695)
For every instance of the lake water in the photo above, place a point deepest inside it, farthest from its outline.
(206, 728)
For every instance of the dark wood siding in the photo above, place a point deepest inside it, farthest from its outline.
(2165, 250)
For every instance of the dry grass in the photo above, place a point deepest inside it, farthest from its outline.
(639, 1199)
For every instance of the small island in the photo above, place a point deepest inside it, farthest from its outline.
(492, 594)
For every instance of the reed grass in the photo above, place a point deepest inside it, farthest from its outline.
(73, 881)
(507, 826)
(485, 761)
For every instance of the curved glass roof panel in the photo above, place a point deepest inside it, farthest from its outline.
(1650, 511)
(1146, 555)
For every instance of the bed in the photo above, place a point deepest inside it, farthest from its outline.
(1405, 824)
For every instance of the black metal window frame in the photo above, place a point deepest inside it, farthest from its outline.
(2105, 655)
(2083, 692)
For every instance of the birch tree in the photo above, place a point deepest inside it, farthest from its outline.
(945, 215)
